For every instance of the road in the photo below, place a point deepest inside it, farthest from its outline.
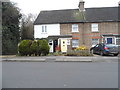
(60, 74)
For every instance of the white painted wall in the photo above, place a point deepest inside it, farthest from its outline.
(51, 46)
(52, 29)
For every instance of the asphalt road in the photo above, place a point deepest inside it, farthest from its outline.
(60, 74)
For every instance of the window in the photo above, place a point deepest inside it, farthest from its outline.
(75, 43)
(94, 27)
(44, 29)
(68, 42)
(75, 28)
(109, 40)
(94, 42)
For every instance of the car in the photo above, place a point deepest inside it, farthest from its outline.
(105, 49)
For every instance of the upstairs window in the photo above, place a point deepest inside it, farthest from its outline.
(44, 29)
(75, 28)
(94, 27)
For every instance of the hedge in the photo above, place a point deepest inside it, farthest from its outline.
(24, 47)
(34, 48)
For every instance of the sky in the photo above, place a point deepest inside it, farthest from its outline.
(35, 6)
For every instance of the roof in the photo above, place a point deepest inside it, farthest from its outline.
(59, 36)
(75, 16)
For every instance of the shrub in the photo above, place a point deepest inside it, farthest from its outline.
(29, 47)
(44, 47)
(82, 48)
(71, 53)
(24, 47)
(58, 53)
(39, 47)
(34, 48)
(80, 51)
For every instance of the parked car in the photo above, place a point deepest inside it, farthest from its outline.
(105, 49)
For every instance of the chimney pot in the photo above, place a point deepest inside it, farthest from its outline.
(81, 5)
(119, 3)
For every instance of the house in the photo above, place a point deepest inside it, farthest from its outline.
(72, 28)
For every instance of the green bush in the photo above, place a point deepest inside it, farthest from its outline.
(34, 48)
(29, 47)
(44, 47)
(39, 47)
(79, 53)
(24, 47)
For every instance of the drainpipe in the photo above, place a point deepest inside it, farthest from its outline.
(83, 33)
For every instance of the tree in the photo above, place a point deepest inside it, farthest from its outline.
(27, 28)
(10, 27)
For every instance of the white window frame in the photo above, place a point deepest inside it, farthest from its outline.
(44, 29)
(109, 37)
(75, 28)
(94, 27)
(116, 40)
(75, 44)
(95, 42)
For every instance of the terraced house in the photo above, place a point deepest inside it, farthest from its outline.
(72, 28)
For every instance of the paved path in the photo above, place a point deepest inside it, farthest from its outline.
(95, 58)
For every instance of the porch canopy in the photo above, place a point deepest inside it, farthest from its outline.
(116, 35)
(54, 37)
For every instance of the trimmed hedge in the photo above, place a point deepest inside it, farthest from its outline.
(24, 47)
(34, 48)
(44, 47)
(39, 47)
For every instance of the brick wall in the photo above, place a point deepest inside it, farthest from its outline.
(85, 35)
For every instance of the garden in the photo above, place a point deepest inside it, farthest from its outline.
(33, 48)
(41, 48)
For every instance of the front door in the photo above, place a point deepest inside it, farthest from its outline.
(55, 45)
(64, 45)
(109, 40)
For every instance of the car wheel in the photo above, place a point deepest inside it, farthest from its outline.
(101, 53)
(115, 54)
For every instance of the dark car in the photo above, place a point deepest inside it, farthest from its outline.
(105, 49)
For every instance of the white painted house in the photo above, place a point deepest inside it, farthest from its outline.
(45, 30)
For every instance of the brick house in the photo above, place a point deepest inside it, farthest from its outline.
(72, 28)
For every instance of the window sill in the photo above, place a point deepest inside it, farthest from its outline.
(95, 31)
(75, 32)
(43, 33)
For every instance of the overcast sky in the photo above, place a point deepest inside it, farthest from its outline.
(35, 6)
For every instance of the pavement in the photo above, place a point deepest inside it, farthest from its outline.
(94, 58)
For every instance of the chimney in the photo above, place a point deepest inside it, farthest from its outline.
(119, 4)
(81, 5)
